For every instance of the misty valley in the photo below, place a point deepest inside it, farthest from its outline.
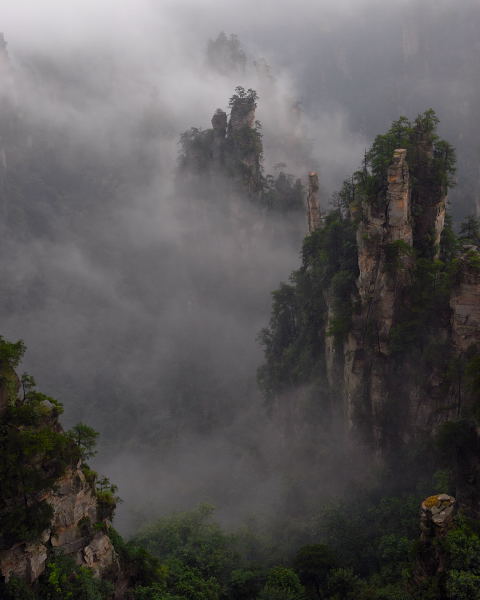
(240, 299)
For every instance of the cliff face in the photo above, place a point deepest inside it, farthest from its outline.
(74, 509)
(382, 320)
(391, 395)
(48, 498)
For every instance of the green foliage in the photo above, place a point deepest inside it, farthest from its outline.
(372, 179)
(191, 538)
(196, 150)
(312, 564)
(11, 353)
(245, 584)
(283, 193)
(470, 231)
(343, 584)
(190, 583)
(449, 243)
(142, 568)
(294, 341)
(463, 585)
(426, 306)
(282, 584)
(372, 534)
(342, 287)
(415, 138)
(243, 100)
(462, 546)
(431, 163)
(90, 476)
(85, 438)
(394, 252)
(16, 589)
(63, 579)
(34, 455)
(107, 499)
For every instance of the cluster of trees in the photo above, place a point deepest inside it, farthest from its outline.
(365, 548)
(34, 453)
(294, 341)
(238, 157)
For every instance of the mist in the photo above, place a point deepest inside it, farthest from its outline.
(139, 299)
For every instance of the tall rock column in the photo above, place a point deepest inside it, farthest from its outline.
(383, 274)
(244, 143)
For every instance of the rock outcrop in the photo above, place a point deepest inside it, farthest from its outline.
(230, 151)
(47, 489)
(242, 114)
(436, 516)
(465, 302)
(436, 519)
(75, 511)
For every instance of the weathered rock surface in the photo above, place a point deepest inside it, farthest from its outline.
(375, 380)
(26, 561)
(99, 555)
(242, 115)
(398, 199)
(465, 303)
(436, 519)
(72, 501)
(366, 351)
(436, 516)
(75, 508)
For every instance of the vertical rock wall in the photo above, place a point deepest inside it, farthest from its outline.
(377, 385)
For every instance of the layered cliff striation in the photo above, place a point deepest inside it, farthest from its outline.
(381, 321)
